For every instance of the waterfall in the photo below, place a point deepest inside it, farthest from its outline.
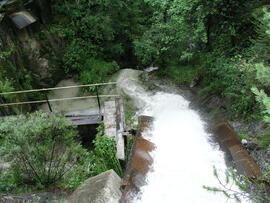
(184, 156)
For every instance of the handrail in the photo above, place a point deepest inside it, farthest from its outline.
(54, 100)
(58, 88)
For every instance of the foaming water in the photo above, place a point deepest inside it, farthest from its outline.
(184, 157)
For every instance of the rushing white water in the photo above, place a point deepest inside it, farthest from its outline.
(184, 157)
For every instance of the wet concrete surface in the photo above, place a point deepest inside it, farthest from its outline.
(141, 160)
(229, 142)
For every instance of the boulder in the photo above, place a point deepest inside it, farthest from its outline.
(103, 188)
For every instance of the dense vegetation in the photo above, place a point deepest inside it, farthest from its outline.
(43, 151)
(224, 45)
(221, 44)
(99, 34)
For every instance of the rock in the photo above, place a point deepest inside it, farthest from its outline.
(36, 50)
(103, 188)
(56, 196)
(261, 156)
(194, 82)
(4, 166)
(244, 141)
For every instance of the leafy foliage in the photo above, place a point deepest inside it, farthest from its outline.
(264, 100)
(105, 154)
(41, 148)
(42, 151)
(98, 29)
(180, 74)
(256, 190)
(13, 76)
(96, 71)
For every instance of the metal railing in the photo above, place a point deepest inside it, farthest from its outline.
(47, 100)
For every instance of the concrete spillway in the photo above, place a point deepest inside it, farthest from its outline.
(183, 157)
(141, 160)
(241, 158)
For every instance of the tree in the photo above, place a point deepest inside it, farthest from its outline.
(40, 147)
(184, 28)
(97, 29)
(104, 153)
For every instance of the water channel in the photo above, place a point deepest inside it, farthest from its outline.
(184, 155)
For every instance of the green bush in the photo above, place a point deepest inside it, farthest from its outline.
(231, 78)
(84, 170)
(180, 74)
(263, 73)
(249, 189)
(264, 100)
(96, 71)
(41, 148)
(105, 154)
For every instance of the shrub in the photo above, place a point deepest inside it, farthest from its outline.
(255, 190)
(231, 78)
(180, 74)
(84, 170)
(100, 159)
(40, 147)
(104, 156)
(264, 101)
(95, 71)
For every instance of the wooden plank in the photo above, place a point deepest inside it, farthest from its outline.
(85, 120)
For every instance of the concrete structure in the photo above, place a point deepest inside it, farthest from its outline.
(22, 19)
(114, 123)
(228, 140)
(140, 162)
(103, 188)
(26, 11)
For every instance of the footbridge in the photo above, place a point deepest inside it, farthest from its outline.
(108, 109)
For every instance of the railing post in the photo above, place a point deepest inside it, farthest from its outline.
(49, 105)
(98, 100)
